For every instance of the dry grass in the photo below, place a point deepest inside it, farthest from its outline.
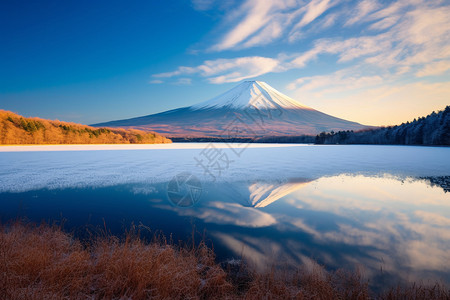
(15, 130)
(437, 291)
(43, 262)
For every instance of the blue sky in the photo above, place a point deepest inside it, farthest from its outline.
(375, 62)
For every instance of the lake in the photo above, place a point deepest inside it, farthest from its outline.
(384, 210)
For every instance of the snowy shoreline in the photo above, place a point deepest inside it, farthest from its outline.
(97, 147)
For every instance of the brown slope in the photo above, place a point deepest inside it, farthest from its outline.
(15, 129)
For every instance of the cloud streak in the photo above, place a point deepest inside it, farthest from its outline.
(261, 22)
(312, 11)
(403, 34)
(362, 10)
(228, 70)
(435, 68)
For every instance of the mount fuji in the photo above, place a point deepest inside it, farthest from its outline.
(252, 109)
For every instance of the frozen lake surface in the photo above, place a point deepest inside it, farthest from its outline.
(383, 209)
(24, 168)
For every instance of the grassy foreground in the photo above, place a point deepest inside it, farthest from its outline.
(16, 130)
(43, 262)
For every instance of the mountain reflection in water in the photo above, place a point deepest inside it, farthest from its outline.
(393, 229)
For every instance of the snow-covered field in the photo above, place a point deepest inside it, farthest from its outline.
(24, 168)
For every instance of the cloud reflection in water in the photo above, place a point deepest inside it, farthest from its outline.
(401, 227)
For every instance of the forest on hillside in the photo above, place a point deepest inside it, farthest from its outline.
(15, 129)
(433, 129)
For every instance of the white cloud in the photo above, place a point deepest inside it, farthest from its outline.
(229, 70)
(260, 13)
(407, 23)
(184, 81)
(330, 20)
(428, 31)
(362, 10)
(346, 50)
(314, 9)
(266, 35)
(242, 68)
(418, 37)
(384, 23)
(180, 71)
(301, 60)
(156, 81)
(343, 80)
(324, 23)
(392, 9)
(435, 68)
(263, 21)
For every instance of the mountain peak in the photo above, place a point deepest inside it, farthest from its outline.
(251, 93)
(227, 115)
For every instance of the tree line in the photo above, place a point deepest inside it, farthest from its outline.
(433, 129)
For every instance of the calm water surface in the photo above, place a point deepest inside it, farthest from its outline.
(393, 228)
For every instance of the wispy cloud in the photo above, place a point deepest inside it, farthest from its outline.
(313, 10)
(346, 50)
(263, 21)
(435, 68)
(330, 20)
(257, 14)
(156, 81)
(342, 80)
(384, 43)
(418, 37)
(415, 46)
(184, 81)
(362, 10)
(179, 71)
(229, 70)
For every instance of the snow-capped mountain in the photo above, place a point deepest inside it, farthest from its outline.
(251, 109)
(255, 94)
(259, 193)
